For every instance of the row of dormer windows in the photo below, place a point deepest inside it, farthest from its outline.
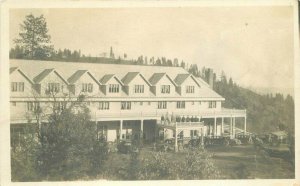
(88, 87)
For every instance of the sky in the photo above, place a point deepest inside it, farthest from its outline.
(253, 45)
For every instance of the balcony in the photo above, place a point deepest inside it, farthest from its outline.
(132, 115)
(155, 115)
(181, 125)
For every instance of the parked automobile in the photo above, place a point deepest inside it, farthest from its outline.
(194, 143)
(126, 147)
(234, 142)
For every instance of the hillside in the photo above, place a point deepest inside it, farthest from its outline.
(265, 113)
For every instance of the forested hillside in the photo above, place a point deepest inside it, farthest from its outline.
(265, 113)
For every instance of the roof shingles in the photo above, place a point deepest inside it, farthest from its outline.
(106, 78)
(156, 77)
(129, 77)
(42, 75)
(180, 78)
(76, 76)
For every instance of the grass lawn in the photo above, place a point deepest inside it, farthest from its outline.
(234, 163)
(232, 160)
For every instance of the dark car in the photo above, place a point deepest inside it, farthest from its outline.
(124, 147)
(194, 143)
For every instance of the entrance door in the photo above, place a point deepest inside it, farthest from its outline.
(149, 130)
(111, 135)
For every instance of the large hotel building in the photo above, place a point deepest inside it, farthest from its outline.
(125, 101)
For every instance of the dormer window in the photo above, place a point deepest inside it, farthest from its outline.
(87, 87)
(113, 88)
(165, 89)
(53, 87)
(17, 86)
(138, 88)
(190, 89)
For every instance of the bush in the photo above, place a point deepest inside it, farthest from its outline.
(66, 149)
(195, 165)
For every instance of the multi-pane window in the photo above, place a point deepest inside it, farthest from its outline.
(53, 87)
(180, 104)
(87, 87)
(194, 133)
(102, 132)
(162, 105)
(103, 105)
(125, 105)
(17, 86)
(30, 106)
(60, 105)
(190, 89)
(113, 88)
(165, 89)
(138, 88)
(212, 104)
(33, 106)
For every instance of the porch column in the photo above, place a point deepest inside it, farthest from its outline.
(176, 146)
(222, 126)
(233, 127)
(215, 126)
(121, 128)
(230, 129)
(245, 125)
(97, 135)
(142, 126)
(202, 136)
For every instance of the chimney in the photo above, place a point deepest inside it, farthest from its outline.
(211, 78)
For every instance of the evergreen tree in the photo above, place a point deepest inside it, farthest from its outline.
(34, 38)
(158, 62)
(111, 53)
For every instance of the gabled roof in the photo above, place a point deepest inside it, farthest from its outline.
(13, 69)
(107, 77)
(131, 75)
(37, 79)
(156, 77)
(180, 78)
(77, 75)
